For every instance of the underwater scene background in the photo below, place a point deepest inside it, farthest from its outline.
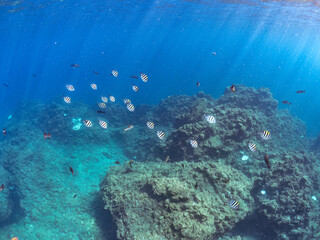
(182, 119)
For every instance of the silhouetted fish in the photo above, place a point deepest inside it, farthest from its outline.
(130, 163)
(71, 170)
(134, 77)
(75, 196)
(233, 88)
(117, 162)
(301, 91)
(101, 111)
(198, 84)
(34, 75)
(95, 72)
(47, 135)
(5, 85)
(4, 131)
(286, 102)
(2, 187)
(75, 65)
(266, 159)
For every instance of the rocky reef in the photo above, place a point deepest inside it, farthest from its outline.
(186, 197)
(183, 200)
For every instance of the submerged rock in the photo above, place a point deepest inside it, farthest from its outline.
(175, 201)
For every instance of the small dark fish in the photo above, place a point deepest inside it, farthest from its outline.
(75, 65)
(266, 159)
(286, 102)
(75, 196)
(47, 136)
(4, 131)
(95, 72)
(233, 88)
(134, 77)
(2, 187)
(182, 165)
(301, 91)
(130, 163)
(101, 111)
(5, 85)
(117, 162)
(34, 75)
(214, 53)
(71, 170)
(226, 180)
(196, 186)
(198, 84)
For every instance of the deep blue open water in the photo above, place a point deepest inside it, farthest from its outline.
(272, 44)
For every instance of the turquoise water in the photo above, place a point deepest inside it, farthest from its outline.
(177, 44)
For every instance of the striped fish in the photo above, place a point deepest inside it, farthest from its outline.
(87, 123)
(265, 135)
(104, 99)
(130, 107)
(102, 105)
(150, 125)
(93, 86)
(144, 77)
(210, 118)
(114, 73)
(135, 88)
(70, 88)
(160, 135)
(67, 99)
(126, 101)
(112, 98)
(193, 143)
(103, 124)
(234, 204)
(252, 147)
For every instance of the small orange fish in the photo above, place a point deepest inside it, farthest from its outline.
(15, 238)
(233, 88)
(128, 128)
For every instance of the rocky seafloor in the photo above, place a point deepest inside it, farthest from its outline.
(185, 197)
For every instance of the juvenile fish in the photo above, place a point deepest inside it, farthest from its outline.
(114, 73)
(144, 77)
(4, 132)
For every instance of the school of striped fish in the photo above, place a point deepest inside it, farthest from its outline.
(265, 135)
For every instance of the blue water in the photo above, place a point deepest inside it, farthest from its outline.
(256, 45)
(268, 44)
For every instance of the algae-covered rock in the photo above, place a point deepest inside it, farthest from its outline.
(175, 200)
(289, 206)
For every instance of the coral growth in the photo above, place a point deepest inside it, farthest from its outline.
(175, 201)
